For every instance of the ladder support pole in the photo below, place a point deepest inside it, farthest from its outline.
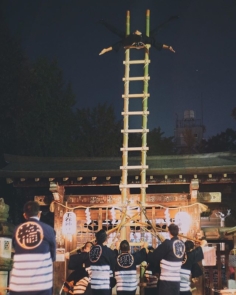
(125, 189)
(145, 109)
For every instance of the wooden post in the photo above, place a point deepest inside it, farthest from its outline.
(144, 120)
(124, 190)
(144, 138)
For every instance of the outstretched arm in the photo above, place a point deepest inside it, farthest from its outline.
(154, 31)
(168, 47)
(112, 29)
(105, 50)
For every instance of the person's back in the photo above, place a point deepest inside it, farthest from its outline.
(125, 270)
(102, 260)
(190, 266)
(78, 282)
(150, 276)
(35, 249)
(169, 256)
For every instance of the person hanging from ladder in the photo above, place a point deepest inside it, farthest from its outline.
(136, 39)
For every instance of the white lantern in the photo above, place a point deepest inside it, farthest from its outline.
(183, 220)
(69, 225)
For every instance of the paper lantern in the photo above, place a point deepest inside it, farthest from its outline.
(69, 225)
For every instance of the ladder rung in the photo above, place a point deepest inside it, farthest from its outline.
(136, 95)
(136, 62)
(135, 131)
(133, 185)
(134, 167)
(136, 113)
(136, 78)
(135, 149)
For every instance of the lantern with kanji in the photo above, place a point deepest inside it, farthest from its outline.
(69, 225)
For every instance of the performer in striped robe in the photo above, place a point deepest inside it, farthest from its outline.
(78, 282)
(190, 268)
(35, 250)
(102, 261)
(150, 276)
(125, 270)
(169, 256)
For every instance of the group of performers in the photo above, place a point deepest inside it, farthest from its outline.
(170, 267)
(97, 268)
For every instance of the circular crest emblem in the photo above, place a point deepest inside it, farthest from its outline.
(95, 253)
(125, 260)
(178, 248)
(29, 235)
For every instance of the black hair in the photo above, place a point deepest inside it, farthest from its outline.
(189, 245)
(150, 248)
(124, 246)
(87, 243)
(173, 229)
(101, 236)
(31, 208)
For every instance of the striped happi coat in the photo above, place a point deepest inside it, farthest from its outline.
(150, 279)
(125, 271)
(102, 260)
(190, 268)
(169, 255)
(35, 250)
(81, 275)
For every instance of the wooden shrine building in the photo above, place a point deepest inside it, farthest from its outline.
(90, 189)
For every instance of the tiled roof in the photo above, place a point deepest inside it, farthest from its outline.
(21, 166)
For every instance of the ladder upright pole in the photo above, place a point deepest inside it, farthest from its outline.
(145, 109)
(124, 190)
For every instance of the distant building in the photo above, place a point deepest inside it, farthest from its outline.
(188, 133)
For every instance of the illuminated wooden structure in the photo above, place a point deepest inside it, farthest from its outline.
(176, 182)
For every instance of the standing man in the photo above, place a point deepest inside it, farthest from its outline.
(125, 271)
(102, 260)
(35, 250)
(190, 266)
(78, 282)
(168, 257)
(150, 276)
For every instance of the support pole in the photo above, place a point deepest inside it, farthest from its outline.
(144, 120)
(144, 141)
(124, 190)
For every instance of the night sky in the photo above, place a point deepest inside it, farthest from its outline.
(200, 76)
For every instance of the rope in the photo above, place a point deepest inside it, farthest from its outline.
(204, 207)
(110, 230)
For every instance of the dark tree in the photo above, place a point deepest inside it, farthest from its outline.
(233, 114)
(14, 94)
(222, 142)
(98, 132)
(158, 144)
(47, 129)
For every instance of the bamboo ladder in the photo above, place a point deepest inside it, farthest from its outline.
(125, 186)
